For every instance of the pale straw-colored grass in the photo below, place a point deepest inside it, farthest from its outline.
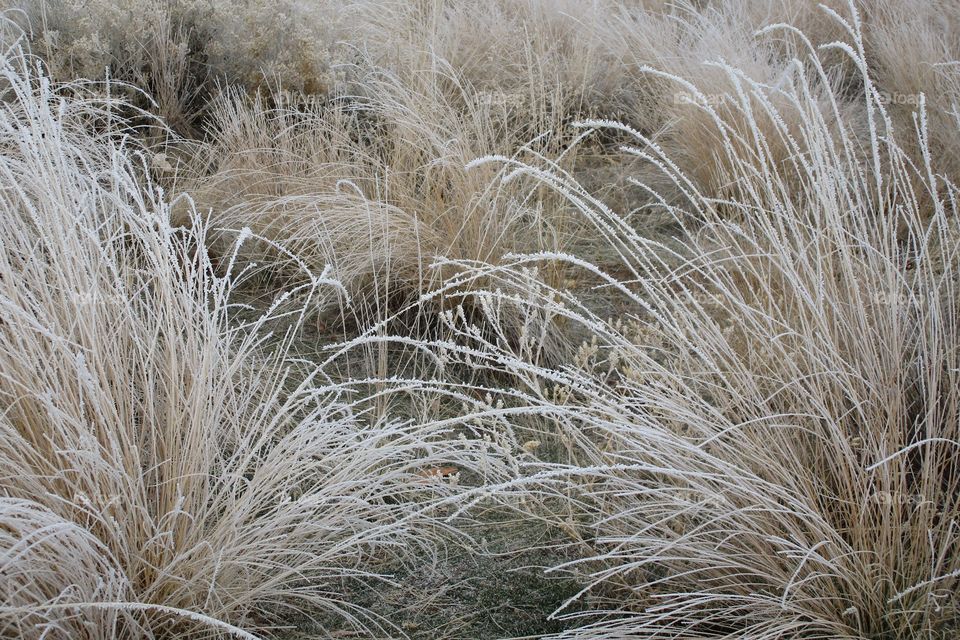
(166, 469)
(767, 445)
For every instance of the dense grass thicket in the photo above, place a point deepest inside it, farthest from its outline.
(299, 301)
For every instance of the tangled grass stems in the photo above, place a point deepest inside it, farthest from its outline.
(166, 470)
(766, 446)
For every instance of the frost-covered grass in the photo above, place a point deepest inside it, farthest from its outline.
(766, 446)
(762, 443)
(164, 470)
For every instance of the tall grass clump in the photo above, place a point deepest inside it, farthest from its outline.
(166, 469)
(765, 445)
(377, 186)
(686, 42)
(572, 57)
(913, 51)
